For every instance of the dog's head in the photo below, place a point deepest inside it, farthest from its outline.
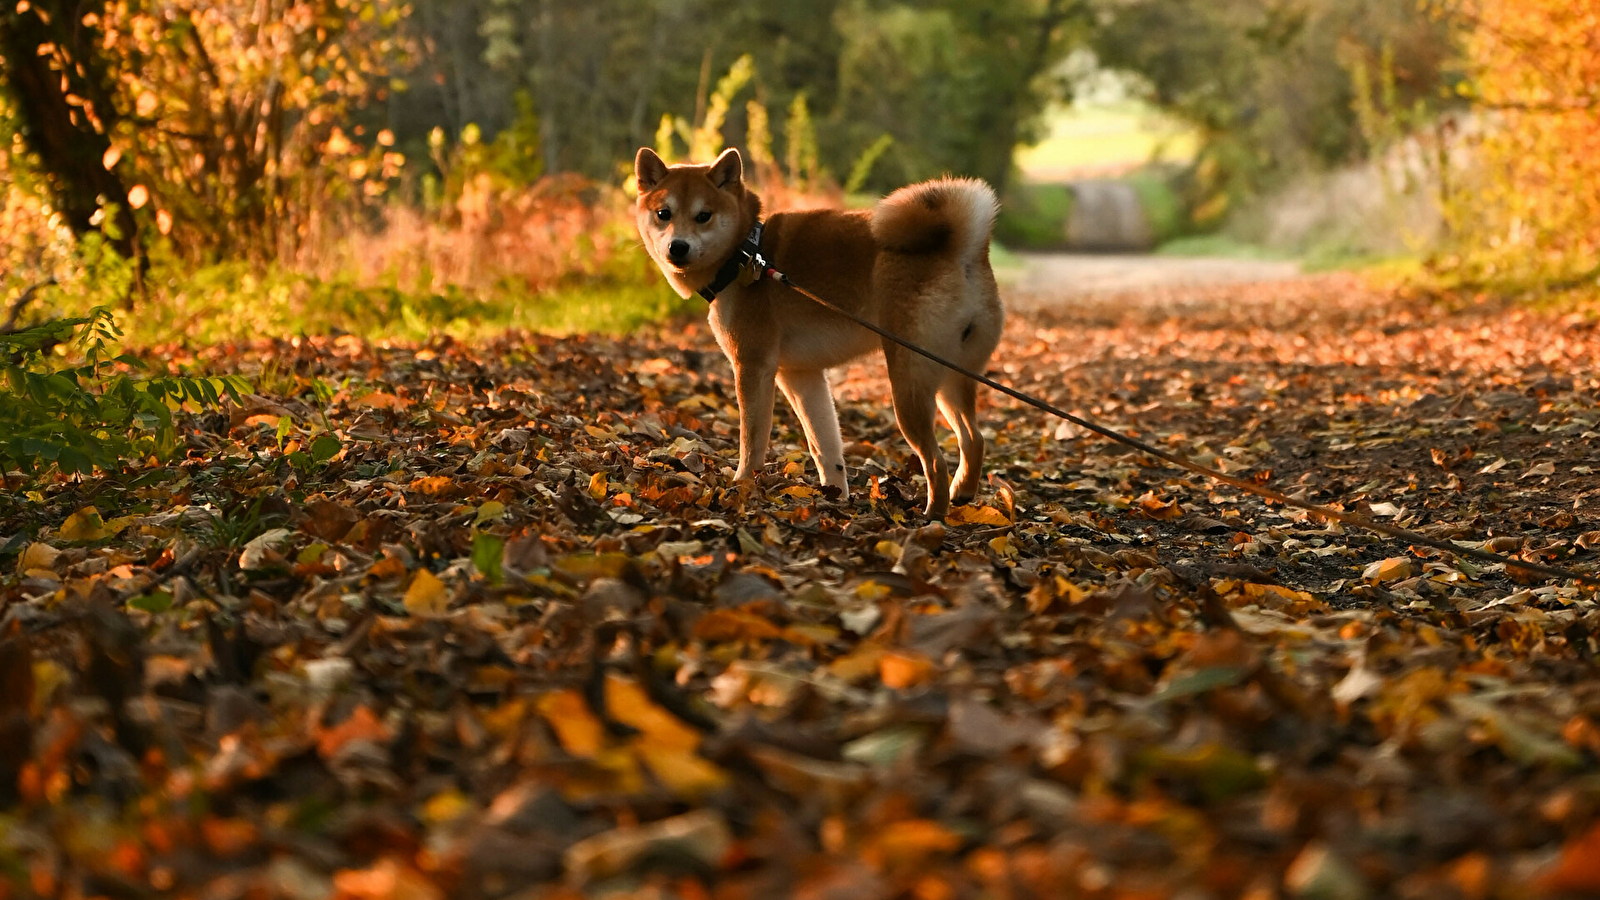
(692, 218)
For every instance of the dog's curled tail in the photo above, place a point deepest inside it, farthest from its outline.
(933, 215)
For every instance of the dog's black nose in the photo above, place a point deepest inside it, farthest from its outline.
(678, 251)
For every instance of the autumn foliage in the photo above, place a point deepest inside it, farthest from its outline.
(1534, 215)
(221, 124)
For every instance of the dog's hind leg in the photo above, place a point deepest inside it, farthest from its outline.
(915, 395)
(812, 399)
(958, 400)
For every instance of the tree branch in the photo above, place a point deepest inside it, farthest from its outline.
(15, 313)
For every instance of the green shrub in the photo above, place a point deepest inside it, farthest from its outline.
(1160, 202)
(1034, 216)
(90, 414)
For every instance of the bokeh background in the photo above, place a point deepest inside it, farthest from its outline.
(223, 169)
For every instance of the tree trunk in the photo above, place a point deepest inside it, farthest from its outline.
(995, 157)
(70, 139)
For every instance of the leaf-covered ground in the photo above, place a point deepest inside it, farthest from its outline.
(483, 621)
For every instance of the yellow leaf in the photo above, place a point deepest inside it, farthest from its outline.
(48, 676)
(888, 549)
(871, 591)
(490, 511)
(597, 486)
(629, 704)
(38, 556)
(682, 772)
(977, 515)
(800, 492)
(445, 806)
(427, 596)
(589, 566)
(84, 525)
(578, 729)
(145, 105)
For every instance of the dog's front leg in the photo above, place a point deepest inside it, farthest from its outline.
(755, 381)
(812, 398)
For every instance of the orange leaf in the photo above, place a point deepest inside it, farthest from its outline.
(630, 705)
(1577, 871)
(433, 485)
(227, 838)
(388, 567)
(911, 841)
(388, 879)
(1157, 508)
(734, 625)
(858, 665)
(977, 515)
(362, 725)
(901, 670)
(381, 400)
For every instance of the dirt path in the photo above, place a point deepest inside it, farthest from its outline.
(1045, 277)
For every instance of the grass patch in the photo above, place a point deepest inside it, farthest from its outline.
(1105, 138)
(236, 302)
(1220, 245)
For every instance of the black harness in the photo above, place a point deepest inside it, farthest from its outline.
(746, 265)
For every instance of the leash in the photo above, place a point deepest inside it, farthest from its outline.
(1183, 462)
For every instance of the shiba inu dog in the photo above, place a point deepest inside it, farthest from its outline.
(917, 265)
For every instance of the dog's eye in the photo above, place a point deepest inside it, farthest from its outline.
(664, 214)
(703, 217)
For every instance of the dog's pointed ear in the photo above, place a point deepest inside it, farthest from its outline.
(648, 169)
(728, 170)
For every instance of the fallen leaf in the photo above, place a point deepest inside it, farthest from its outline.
(977, 515)
(361, 725)
(700, 837)
(427, 596)
(900, 670)
(38, 555)
(1394, 568)
(84, 525)
(262, 551)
